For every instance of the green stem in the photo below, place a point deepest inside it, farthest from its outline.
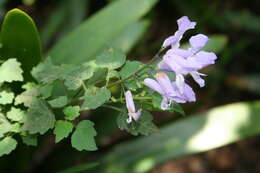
(112, 107)
(155, 57)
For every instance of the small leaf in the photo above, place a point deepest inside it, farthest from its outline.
(74, 79)
(177, 108)
(16, 114)
(7, 145)
(71, 112)
(72, 75)
(27, 97)
(111, 59)
(39, 117)
(6, 97)
(143, 126)
(128, 69)
(46, 91)
(62, 130)
(5, 125)
(11, 71)
(59, 102)
(30, 140)
(83, 137)
(16, 128)
(95, 97)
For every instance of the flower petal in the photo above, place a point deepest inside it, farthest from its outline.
(182, 52)
(170, 40)
(165, 83)
(204, 58)
(163, 66)
(165, 104)
(185, 24)
(198, 79)
(129, 102)
(180, 64)
(198, 41)
(136, 115)
(153, 85)
(180, 83)
(189, 93)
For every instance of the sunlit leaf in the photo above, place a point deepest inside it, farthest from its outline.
(71, 112)
(7, 145)
(83, 137)
(62, 130)
(39, 117)
(11, 71)
(95, 97)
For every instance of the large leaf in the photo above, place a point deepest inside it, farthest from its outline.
(99, 31)
(131, 35)
(20, 39)
(218, 127)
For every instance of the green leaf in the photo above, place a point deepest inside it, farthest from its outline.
(71, 112)
(39, 117)
(111, 59)
(215, 128)
(83, 136)
(16, 114)
(72, 75)
(15, 127)
(62, 130)
(91, 37)
(5, 125)
(131, 35)
(46, 72)
(46, 91)
(7, 145)
(27, 97)
(95, 97)
(11, 71)
(30, 140)
(20, 39)
(143, 126)
(6, 97)
(59, 102)
(74, 79)
(128, 69)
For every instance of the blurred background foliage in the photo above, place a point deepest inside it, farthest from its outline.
(138, 28)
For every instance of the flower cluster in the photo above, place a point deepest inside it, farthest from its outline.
(181, 62)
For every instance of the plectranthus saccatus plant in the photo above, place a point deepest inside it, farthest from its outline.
(62, 97)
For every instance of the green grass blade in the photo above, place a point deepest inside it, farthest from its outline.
(99, 31)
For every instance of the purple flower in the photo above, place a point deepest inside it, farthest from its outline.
(169, 90)
(184, 24)
(132, 114)
(183, 62)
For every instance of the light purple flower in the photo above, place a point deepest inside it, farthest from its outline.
(169, 90)
(132, 114)
(184, 24)
(189, 61)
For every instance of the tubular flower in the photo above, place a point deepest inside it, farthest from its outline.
(183, 62)
(169, 90)
(132, 114)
